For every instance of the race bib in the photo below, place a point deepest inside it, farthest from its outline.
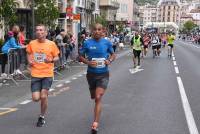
(39, 57)
(100, 62)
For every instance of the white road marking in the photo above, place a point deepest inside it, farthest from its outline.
(74, 78)
(173, 58)
(60, 85)
(5, 108)
(66, 82)
(172, 54)
(132, 71)
(25, 102)
(51, 89)
(175, 64)
(176, 70)
(79, 75)
(187, 109)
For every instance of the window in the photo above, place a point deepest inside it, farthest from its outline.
(169, 7)
(124, 8)
(168, 19)
(79, 2)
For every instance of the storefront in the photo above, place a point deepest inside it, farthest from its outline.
(24, 19)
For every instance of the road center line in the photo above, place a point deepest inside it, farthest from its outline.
(175, 63)
(25, 102)
(187, 109)
(173, 58)
(172, 54)
(176, 70)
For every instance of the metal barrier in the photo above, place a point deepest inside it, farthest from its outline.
(62, 62)
(2, 61)
(17, 57)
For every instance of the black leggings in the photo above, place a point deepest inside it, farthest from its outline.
(4, 60)
(114, 48)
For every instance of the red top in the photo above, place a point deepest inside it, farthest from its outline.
(22, 39)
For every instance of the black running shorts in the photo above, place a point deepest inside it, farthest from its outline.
(97, 80)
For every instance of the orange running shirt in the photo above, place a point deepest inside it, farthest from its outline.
(38, 52)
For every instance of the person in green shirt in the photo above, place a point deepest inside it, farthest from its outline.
(136, 43)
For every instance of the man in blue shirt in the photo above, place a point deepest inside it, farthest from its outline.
(97, 53)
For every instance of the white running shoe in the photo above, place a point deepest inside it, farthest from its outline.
(4, 75)
(18, 71)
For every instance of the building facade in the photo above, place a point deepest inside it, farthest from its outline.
(123, 13)
(169, 11)
(148, 13)
(108, 8)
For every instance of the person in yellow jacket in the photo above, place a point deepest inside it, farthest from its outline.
(170, 40)
(136, 43)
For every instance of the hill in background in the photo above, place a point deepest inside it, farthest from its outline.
(142, 2)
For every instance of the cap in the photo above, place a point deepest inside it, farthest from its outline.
(10, 33)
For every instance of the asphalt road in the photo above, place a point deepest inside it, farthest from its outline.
(145, 102)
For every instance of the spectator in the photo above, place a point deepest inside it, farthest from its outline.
(9, 44)
(22, 36)
(115, 41)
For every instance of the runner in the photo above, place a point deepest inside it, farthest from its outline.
(156, 45)
(42, 54)
(100, 54)
(170, 40)
(137, 43)
(146, 40)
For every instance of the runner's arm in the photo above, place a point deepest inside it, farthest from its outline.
(142, 42)
(112, 54)
(132, 41)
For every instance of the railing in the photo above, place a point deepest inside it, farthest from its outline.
(18, 57)
(110, 3)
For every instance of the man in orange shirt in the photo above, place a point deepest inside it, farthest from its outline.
(42, 54)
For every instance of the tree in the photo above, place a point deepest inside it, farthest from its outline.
(46, 12)
(8, 13)
(188, 26)
(102, 20)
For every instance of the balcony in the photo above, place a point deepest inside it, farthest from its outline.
(90, 5)
(109, 4)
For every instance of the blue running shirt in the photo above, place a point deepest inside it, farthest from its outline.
(99, 51)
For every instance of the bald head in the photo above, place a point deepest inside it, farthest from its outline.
(97, 25)
(97, 31)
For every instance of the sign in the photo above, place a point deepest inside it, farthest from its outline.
(69, 11)
(77, 18)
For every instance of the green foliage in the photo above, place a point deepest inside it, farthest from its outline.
(102, 20)
(46, 12)
(142, 2)
(120, 27)
(8, 12)
(188, 26)
(1, 42)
